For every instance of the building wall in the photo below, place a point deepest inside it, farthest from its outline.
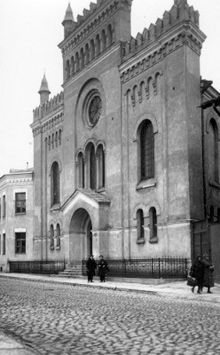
(11, 184)
(164, 63)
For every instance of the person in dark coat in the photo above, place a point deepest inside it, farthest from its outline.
(91, 267)
(208, 274)
(102, 268)
(197, 271)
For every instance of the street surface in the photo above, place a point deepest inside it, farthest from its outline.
(68, 320)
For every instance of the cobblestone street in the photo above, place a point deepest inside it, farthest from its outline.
(62, 319)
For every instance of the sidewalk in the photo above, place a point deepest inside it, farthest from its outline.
(9, 346)
(161, 287)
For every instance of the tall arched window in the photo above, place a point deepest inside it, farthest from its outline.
(101, 167)
(67, 69)
(81, 182)
(213, 151)
(82, 58)
(51, 237)
(146, 150)
(77, 62)
(55, 184)
(140, 225)
(109, 35)
(58, 235)
(103, 40)
(97, 45)
(87, 54)
(153, 225)
(92, 48)
(72, 66)
(92, 167)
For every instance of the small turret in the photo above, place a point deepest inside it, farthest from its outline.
(68, 22)
(44, 91)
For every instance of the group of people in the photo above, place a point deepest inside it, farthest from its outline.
(91, 267)
(202, 271)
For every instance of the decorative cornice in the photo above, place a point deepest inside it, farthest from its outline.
(152, 55)
(48, 124)
(50, 106)
(87, 24)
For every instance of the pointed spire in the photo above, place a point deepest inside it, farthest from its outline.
(68, 14)
(44, 85)
(44, 91)
(68, 22)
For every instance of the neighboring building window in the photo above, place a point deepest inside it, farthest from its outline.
(146, 150)
(140, 225)
(4, 206)
(20, 243)
(20, 202)
(55, 184)
(3, 244)
(81, 181)
(101, 167)
(213, 150)
(58, 235)
(153, 225)
(0, 244)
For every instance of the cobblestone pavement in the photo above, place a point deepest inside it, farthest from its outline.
(67, 320)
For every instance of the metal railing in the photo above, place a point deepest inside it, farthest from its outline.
(147, 268)
(37, 266)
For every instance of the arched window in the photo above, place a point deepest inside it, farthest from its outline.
(103, 40)
(213, 151)
(67, 69)
(109, 35)
(146, 150)
(55, 184)
(101, 167)
(92, 46)
(140, 225)
(56, 139)
(52, 141)
(97, 45)
(82, 58)
(87, 54)
(58, 235)
(51, 237)
(92, 168)
(60, 136)
(72, 66)
(153, 225)
(77, 62)
(81, 182)
(49, 142)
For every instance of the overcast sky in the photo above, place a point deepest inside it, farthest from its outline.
(30, 31)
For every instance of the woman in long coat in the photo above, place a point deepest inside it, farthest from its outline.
(197, 271)
(208, 280)
(90, 266)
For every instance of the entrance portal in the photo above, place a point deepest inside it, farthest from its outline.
(80, 236)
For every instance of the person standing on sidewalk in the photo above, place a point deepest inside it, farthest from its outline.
(102, 268)
(197, 271)
(91, 267)
(208, 273)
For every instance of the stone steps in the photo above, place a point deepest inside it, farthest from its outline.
(72, 271)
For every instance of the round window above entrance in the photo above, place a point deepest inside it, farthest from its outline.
(93, 108)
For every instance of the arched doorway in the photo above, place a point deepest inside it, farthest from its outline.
(80, 236)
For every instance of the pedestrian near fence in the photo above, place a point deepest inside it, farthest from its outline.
(197, 271)
(208, 280)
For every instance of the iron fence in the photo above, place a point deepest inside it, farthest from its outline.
(37, 266)
(147, 268)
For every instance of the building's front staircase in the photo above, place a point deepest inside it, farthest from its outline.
(72, 271)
